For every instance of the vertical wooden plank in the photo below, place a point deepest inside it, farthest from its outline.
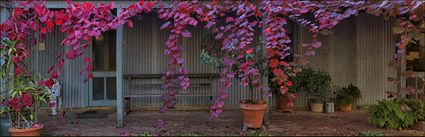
(119, 73)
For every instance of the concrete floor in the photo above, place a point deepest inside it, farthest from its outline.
(299, 123)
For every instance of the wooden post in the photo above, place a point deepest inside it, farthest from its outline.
(4, 15)
(119, 74)
(265, 81)
(400, 71)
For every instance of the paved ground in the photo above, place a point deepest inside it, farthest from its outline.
(200, 123)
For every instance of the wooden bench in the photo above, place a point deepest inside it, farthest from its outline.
(131, 86)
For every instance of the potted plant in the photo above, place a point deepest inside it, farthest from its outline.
(23, 97)
(330, 103)
(253, 108)
(317, 84)
(286, 99)
(347, 96)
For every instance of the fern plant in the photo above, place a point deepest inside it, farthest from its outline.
(388, 114)
(317, 84)
(348, 95)
(417, 108)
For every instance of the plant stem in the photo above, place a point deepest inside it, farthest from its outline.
(26, 121)
(251, 89)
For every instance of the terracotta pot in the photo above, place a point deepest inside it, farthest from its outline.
(26, 132)
(283, 104)
(316, 107)
(345, 108)
(253, 114)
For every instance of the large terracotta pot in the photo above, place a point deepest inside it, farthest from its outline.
(345, 108)
(283, 104)
(253, 114)
(26, 132)
(316, 107)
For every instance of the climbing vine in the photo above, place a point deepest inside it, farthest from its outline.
(234, 24)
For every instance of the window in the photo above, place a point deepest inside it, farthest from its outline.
(417, 65)
(290, 32)
(104, 54)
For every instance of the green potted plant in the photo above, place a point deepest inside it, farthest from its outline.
(317, 84)
(348, 96)
(286, 100)
(23, 96)
(330, 100)
(253, 108)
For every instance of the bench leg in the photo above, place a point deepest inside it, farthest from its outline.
(127, 103)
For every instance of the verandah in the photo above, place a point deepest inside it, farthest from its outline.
(238, 31)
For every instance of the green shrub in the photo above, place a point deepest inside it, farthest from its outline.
(316, 83)
(371, 134)
(348, 95)
(418, 108)
(388, 114)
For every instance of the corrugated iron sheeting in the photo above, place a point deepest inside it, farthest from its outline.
(357, 51)
(144, 55)
(375, 46)
(369, 46)
(74, 89)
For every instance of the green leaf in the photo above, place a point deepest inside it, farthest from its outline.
(418, 36)
(397, 30)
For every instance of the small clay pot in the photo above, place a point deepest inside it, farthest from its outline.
(253, 114)
(317, 107)
(345, 108)
(283, 104)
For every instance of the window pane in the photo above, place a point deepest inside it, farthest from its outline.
(416, 64)
(104, 52)
(111, 88)
(98, 89)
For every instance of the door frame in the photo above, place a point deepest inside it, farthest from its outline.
(101, 74)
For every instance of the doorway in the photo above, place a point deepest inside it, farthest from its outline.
(103, 85)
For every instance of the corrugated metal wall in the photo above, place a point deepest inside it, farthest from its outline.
(74, 89)
(375, 47)
(144, 55)
(357, 51)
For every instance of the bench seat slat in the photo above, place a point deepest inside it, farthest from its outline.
(138, 76)
(179, 95)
